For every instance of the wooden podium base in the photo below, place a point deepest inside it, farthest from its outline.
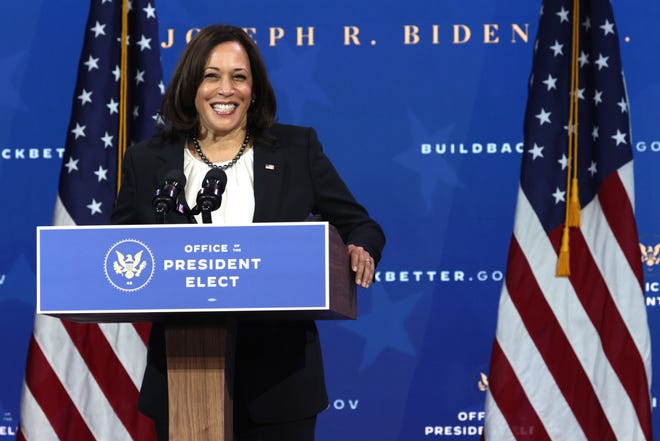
(200, 363)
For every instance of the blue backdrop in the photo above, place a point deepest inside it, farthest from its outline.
(420, 106)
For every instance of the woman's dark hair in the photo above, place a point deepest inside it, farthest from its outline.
(178, 107)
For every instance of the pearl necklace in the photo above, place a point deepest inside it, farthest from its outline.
(198, 150)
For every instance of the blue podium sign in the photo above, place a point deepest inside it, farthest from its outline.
(144, 271)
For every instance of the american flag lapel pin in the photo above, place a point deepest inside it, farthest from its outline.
(270, 166)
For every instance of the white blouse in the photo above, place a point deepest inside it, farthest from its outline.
(237, 207)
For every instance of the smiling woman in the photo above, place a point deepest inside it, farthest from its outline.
(219, 112)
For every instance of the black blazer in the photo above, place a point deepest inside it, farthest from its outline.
(293, 179)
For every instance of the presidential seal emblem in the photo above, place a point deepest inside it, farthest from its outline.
(650, 255)
(129, 265)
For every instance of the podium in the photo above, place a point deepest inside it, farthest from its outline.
(198, 280)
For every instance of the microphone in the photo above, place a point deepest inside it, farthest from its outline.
(166, 197)
(209, 197)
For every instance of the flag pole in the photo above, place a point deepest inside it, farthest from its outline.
(123, 88)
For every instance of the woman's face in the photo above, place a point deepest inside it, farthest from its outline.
(223, 97)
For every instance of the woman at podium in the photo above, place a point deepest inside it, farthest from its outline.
(219, 113)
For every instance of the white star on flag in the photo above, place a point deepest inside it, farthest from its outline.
(98, 29)
(602, 61)
(619, 137)
(71, 165)
(144, 43)
(92, 63)
(536, 151)
(113, 106)
(79, 131)
(544, 117)
(102, 173)
(94, 207)
(85, 97)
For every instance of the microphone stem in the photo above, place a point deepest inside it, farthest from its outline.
(160, 213)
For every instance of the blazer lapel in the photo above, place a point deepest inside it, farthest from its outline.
(268, 175)
(171, 156)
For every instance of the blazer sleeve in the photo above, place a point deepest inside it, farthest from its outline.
(336, 204)
(124, 210)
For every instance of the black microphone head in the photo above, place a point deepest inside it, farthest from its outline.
(210, 196)
(165, 196)
(176, 178)
(216, 177)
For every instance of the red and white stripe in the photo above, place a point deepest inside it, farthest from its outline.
(571, 358)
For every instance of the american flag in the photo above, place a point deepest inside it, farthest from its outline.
(82, 381)
(571, 357)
